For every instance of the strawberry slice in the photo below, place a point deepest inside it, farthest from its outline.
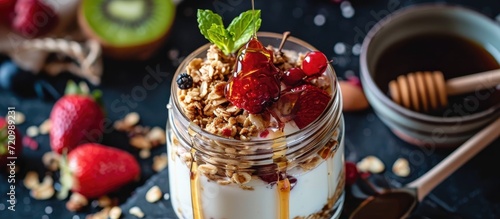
(76, 118)
(310, 104)
(94, 170)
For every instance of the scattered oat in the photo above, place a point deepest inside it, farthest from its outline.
(401, 167)
(51, 160)
(145, 153)
(160, 162)
(32, 131)
(45, 190)
(131, 119)
(136, 211)
(19, 118)
(31, 180)
(157, 136)
(154, 194)
(140, 142)
(105, 201)
(119, 125)
(371, 164)
(44, 128)
(138, 130)
(42, 193)
(128, 122)
(76, 202)
(115, 212)
(103, 214)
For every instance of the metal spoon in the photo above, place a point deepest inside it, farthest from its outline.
(399, 203)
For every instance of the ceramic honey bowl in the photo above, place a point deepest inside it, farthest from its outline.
(433, 37)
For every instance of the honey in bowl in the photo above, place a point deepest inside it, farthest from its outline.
(454, 55)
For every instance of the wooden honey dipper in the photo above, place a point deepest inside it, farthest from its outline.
(418, 90)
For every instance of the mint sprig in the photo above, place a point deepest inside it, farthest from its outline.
(229, 39)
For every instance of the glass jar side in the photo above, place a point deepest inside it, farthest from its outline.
(239, 179)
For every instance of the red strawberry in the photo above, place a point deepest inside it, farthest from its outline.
(76, 119)
(33, 18)
(7, 11)
(310, 104)
(94, 170)
(6, 141)
(255, 85)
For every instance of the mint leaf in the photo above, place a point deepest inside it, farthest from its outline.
(243, 27)
(206, 19)
(219, 36)
(236, 35)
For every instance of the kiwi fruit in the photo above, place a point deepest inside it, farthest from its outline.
(127, 29)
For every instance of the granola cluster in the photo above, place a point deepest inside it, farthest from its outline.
(205, 103)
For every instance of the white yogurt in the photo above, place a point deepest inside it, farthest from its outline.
(308, 196)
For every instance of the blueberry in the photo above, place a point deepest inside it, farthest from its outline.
(15, 79)
(184, 81)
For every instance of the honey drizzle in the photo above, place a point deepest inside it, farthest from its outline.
(194, 180)
(284, 198)
(283, 185)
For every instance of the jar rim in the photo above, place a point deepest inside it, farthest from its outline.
(309, 128)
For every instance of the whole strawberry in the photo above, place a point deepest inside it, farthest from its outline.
(76, 118)
(33, 18)
(5, 141)
(94, 170)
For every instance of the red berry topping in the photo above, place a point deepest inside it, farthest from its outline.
(315, 62)
(293, 76)
(33, 18)
(255, 84)
(311, 102)
(351, 173)
(254, 56)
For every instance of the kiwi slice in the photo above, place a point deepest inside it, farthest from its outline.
(127, 29)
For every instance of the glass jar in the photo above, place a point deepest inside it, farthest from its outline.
(295, 175)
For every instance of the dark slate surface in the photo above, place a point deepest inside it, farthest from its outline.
(471, 192)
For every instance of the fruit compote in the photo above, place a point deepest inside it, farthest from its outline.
(255, 135)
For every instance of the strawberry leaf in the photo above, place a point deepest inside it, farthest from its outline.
(66, 178)
(72, 88)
